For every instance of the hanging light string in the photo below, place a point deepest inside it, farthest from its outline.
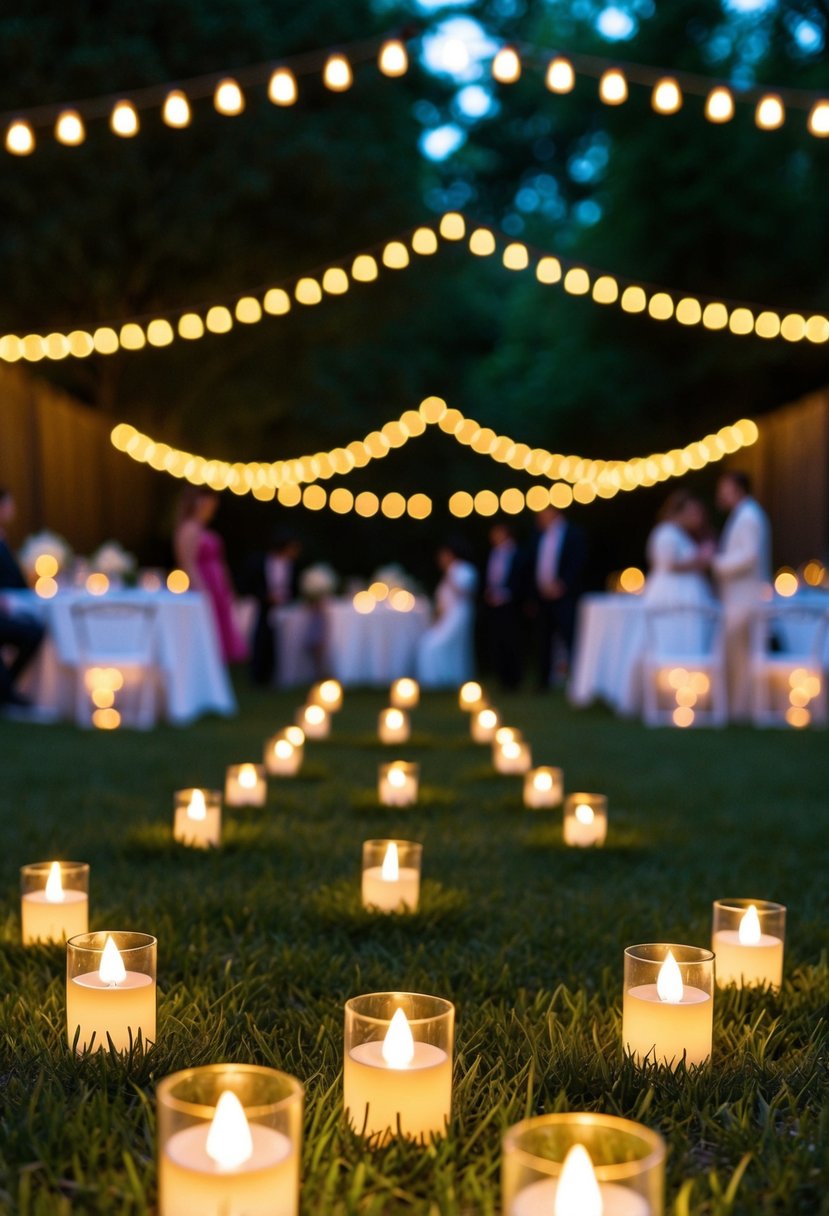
(68, 120)
(667, 87)
(575, 478)
(575, 278)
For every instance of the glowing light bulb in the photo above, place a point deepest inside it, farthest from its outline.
(393, 61)
(613, 87)
(769, 114)
(819, 119)
(229, 1142)
(669, 986)
(124, 119)
(666, 97)
(750, 931)
(543, 782)
(398, 1045)
(506, 66)
(197, 808)
(69, 129)
(560, 76)
(112, 970)
(390, 870)
(584, 813)
(282, 88)
(247, 777)
(228, 98)
(20, 138)
(578, 1191)
(176, 109)
(337, 75)
(54, 884)
(719, 105)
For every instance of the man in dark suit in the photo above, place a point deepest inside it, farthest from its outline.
(273, 580)
(18, 631)
(558, 559)
(502, 605)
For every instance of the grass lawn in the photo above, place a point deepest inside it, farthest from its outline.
(261, 943)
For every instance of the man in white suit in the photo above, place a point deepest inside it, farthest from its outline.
(742, 568)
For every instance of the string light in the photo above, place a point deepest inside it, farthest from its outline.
(69, 128)
(393, 59)
(613, 88)
(719, 105)
(176, 109)
(337, 75)
(506, 66)
(666, 97)
(20, 138)
(228, 98)
(818, 122)
(769, 114)
(124, 119)
(282, 87)
(560, 76)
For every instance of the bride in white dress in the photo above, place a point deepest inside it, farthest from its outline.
(445, 655)
(678, 557)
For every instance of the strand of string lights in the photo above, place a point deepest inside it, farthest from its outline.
(577, 279)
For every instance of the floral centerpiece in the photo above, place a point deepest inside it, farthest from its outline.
(44, 544)
(113, 560)
(318, 582)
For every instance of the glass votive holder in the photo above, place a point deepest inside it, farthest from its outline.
(328, 694)
(54, 901)
(229, 1141)
(668, 1006)
(575, 1164)
(393, 726)
(391, 875)
(512, 756)
(470, 696)
(398, 784)
(245, 785)
(585, 820)
(315, 721)
(483, 724)
(197, 820)
(543, 788)
(397, 1067)
(748, 940)
(282, 757)
(110, 990)
(405, 694)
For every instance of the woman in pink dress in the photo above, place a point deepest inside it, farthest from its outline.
(201, 554)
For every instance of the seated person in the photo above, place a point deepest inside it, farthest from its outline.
(19, 632)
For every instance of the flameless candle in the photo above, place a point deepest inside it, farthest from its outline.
(398, 783)
(328, 694)
(198, 818)
(391, 875)
(582, 1165)
(748, 941)
(511, 756)
(54, 901)
(245, 785)
(110, 990)
(483, 724)
(229, 1142)
(315, 720)
(282, 757)
(397, 1076)
(585, 820)
(543, 787)
(507, 734)
(405, 694)
(393, 726)
(668, 1008)
(470, 696)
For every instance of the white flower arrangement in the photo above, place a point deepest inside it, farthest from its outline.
(113, 560)
(394, 576)
(44, 544)
(317, 582)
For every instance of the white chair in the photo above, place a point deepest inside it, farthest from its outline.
(788, 664)
(117, 664)
(683, 667)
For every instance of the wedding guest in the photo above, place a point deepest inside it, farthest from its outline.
(679, 553)
(558, 558)
(445, 653)
(19, 632)
(742, 567)
(11, 576)
(501, 605)
(200, 552)
(274, 583)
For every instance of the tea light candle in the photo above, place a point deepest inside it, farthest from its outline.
(391, 875)
(282, 757)
(110, 990)
(245, 785)
(198, 818)
(582, 1165)
(470, 696)
(483, 724)
(543, 787)
(398, 783)
(668, 1008)
(393, 726)
(748, 940)
(405, 694)
(585, 820)
(397, 1076)
(512, 756)
(328, 694)
(229, 1140)
(54, 901)
(315, 721)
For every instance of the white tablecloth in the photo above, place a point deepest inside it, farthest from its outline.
(195, 679)
(361, 648)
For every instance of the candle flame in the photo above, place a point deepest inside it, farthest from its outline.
(394, 719)
(197, 808)
(112, 970)
(295, 735)
(315, 715)
(247, 777)
(283, 749)
(229, 1142)
(543, 782)
(578, 1192)
(330, 691)
(398, 1045)
(669, 986)
(471, 693)
(511, 750)
(487, 718)
(584, 813)
(505, 734)
(397, 777)
(391, 866)
(750, 931)
(406, 689)
(54, 885)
